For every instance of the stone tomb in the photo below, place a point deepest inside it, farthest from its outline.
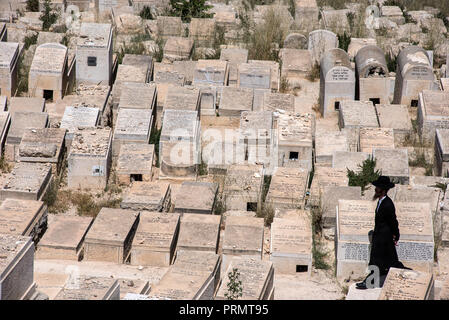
(295, 140)
(194, 276)
(135, 163)
(75, 118)
(433, 113)
(43, 146)
(296, 64)
(132, 288)
(329, 201)
(402, 284)
(337, 81)
(48, 76)
(155, 241)
(202, 30)
(393, 13)
(327, 142)
(196, 197)
(275, 75)
(257, 278)
(234, 56)
(9, 57)
(253, 76)
(151, 196)
(416, 244)
(211, 72)
(325, 176)
(20, 121)
(427, 194)
(89, 159)
(90, 288)
(177, 48)
(145, 62)
(111, 235)
(414, 75)
(16, 267)
(169, 26)
(199, 232)
(395, 116)
(373, 82)
(64, 238)
(393, 163)
(256, 134)
(132, 126)
(26, 104)
(273, 101)
(234, 101)
(374, 138)
(354, 220)
(136, 95)
(291, 245)
(94, 53)
(441, 151)
(243, 187)
(126, 73)
(88, 96)
(182, 98)
(243, 236)
(23, 218)
(5, 120)
(357, 114)
(287, 188)
(26, 181)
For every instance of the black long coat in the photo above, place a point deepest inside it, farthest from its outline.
(383, 250)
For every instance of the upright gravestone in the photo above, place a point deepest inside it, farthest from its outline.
(320, 41)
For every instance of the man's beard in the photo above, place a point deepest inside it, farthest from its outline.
(376, 196)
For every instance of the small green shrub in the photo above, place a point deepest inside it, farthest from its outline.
(49, 16)
(32, 5)
(155, 136)
(344, 40)
(365, 175)
(29, 41)
(188, 9)
(234, 286)
(146, 14)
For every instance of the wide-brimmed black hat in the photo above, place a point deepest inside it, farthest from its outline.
(383, 182)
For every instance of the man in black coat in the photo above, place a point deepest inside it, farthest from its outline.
(386, 232)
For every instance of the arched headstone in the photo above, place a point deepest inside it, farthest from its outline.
(320, 41)
(295, 41)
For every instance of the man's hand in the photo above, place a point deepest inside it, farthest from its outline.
(395, 241)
